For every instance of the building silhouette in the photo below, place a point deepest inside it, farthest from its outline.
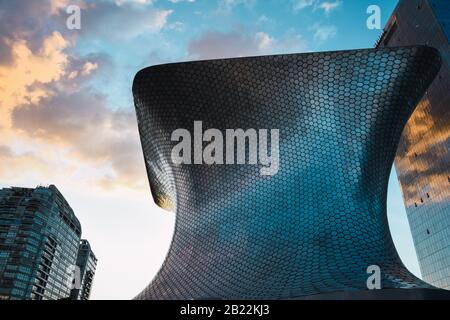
(423, 157)
(39, 244)
(316, 226)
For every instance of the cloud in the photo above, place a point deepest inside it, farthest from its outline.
(326, 6)
(20, 165)
(215, 44)
(5, 51)
(33, 76)
(84, 127)
(178, 1)
(177, 26)
(46, 102)
(56, 6)
(80, 71)
(126, 20)
(330, 6)
(323, 33)
(30, 21)
(88, 67)
(264, 20)
(302, 4)
(134, 2)
(226, 6)
(21, 81)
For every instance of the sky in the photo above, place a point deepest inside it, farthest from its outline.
(67, 116)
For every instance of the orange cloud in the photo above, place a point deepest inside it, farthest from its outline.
(56, 6)
(21, 82)
(88, 67)
(82, 126)
(48, 106)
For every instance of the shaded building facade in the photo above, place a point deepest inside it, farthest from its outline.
(39, 244)
(423, 157)
(86, 263)
(319, 223)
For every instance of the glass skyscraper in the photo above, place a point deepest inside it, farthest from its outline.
(87, 263)
(423, 156)
(39, 242)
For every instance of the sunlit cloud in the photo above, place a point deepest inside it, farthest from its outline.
(46, 101)
(57, 7)
(20, 165)
(88, 67)
(20, 81)
(88, 131)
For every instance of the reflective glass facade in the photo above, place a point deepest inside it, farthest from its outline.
(423, 157)
(87, 263)
(320, 221)
(39, 237)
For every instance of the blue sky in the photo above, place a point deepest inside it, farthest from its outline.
(288, 25)
(67, 115)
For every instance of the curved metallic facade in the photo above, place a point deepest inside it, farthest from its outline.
(316, 225)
